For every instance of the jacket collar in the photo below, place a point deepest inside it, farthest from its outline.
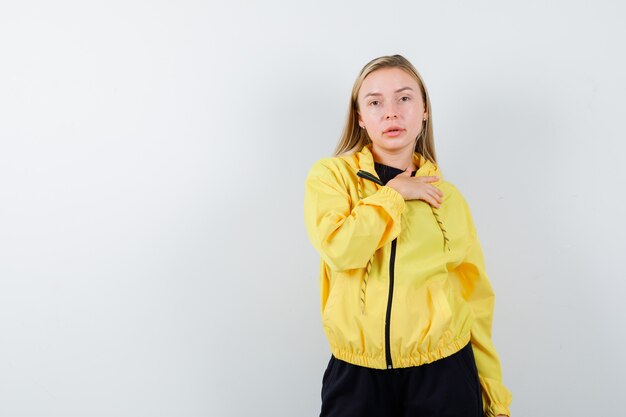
(365, 162)
(366, 169)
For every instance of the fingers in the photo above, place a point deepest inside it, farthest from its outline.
(432, 178)
(434, 197)
(424, 191)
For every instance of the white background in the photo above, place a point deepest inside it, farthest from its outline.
(153, 256)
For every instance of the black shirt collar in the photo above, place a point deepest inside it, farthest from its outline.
(386, 173)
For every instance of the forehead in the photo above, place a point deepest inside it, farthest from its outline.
(386, 81)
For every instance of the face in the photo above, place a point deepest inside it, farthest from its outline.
(391, 108)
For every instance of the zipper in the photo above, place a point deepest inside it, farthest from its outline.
(392, 260)
(368, 176)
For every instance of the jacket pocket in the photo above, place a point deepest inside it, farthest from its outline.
(438, 312)
(363, 290)
(335, 296)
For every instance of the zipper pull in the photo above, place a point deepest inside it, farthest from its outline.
(368, 176)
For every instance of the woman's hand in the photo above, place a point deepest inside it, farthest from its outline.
(417, 188)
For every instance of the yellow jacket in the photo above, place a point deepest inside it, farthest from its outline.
(402, 283)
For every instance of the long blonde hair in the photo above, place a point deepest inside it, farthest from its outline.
(354, 138)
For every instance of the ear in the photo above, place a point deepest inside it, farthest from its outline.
(358, 115)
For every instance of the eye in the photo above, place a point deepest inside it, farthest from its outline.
(374, 102)
(405, 98)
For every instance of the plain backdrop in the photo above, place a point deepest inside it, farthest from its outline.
(153, 255)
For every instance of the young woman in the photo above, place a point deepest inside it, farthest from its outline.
(406, 302)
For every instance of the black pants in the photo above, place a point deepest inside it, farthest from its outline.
(448, 387)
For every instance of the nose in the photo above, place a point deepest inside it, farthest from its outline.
(391, 112)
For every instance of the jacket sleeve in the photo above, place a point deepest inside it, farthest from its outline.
(475, 288)
(347, 237)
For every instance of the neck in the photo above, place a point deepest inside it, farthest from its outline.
(401, 158)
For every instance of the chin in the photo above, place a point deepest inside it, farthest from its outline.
(392, 144)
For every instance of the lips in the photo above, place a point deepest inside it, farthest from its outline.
(393, 130)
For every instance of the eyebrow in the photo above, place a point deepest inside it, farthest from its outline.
(379, 94)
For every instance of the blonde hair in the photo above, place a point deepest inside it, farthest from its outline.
(354, 138)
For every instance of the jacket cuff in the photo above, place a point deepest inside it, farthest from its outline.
(496, 397)
(389, 198)
(497, 409)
